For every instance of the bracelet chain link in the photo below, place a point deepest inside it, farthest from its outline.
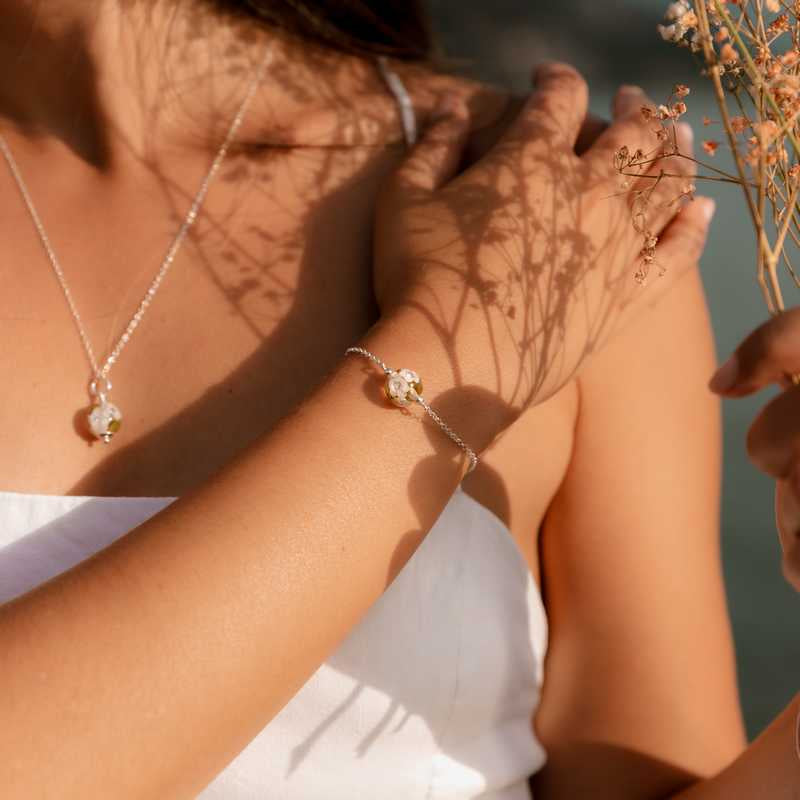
(414, 395)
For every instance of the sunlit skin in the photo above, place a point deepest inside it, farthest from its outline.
(598, 438)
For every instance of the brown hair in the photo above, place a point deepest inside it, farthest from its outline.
(397, 28)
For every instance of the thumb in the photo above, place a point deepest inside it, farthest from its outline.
(437, 155)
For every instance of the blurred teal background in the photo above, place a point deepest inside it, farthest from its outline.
(613, 43)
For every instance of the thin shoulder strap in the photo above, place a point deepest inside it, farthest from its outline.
(406, 108)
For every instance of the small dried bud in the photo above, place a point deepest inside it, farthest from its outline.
(622, 157)
(739, 124)
(681, 90)
(707, 121)
(671, 33)
(728, 53)
(766, 131)
(710, 146)
(778, 25)
(790, 57)
(675, 11)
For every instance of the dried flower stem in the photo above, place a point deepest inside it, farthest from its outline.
(765, 253)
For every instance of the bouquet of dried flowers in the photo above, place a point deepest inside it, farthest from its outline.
(750, 50)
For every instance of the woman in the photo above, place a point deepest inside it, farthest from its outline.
(324, 611)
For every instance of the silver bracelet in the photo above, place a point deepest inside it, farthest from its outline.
(403, 387)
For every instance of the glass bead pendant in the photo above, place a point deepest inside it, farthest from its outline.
(104, 418)
(402, 386)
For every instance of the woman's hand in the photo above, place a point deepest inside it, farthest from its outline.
(525, 261)
(771, 354)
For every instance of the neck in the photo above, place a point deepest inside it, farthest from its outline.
(159, 75)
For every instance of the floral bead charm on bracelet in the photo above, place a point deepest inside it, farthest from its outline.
(402, 386)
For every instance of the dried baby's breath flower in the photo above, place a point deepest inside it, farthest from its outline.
(778, 25)
(750, 51)
(727, 53)
(675, 11)
(790, 57)
(739, 124)
(765, 131)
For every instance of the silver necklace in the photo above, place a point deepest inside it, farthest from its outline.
(104, 418)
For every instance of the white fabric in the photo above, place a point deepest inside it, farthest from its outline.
(430, 697)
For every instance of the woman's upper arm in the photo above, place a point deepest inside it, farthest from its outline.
(640, 691)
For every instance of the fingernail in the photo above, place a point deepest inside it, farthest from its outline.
(707, 207)
(725, 377)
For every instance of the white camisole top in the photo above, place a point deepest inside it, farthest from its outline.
(430, 697)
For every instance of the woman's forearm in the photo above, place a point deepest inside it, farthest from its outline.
(769, 768)
(144, 670)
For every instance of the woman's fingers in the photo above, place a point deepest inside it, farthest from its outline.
(628, 129)
(766, 356)
(787, 521)
(438, 153)
(681, 244)
(591, 129)
(656, 196)
(551, 118)
(773, 441)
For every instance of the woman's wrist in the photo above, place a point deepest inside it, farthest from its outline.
(457, 382)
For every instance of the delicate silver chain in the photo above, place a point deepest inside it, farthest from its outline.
(473, 459)
(191, 216)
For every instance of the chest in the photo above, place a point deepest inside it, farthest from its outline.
(271, 286)
(265, 293)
